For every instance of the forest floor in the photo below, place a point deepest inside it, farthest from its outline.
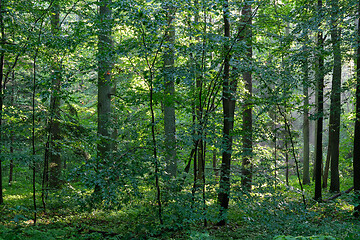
(256, 216)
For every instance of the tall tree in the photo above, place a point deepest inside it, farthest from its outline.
(228, 101)
(306, 135)
(104, 76)
(335, 107)
(356, 157)
(247, 107)
(169, 92)
(105, 44)
(54, 128)
(198, 111)
(320, 107)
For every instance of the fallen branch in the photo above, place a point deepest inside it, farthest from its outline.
(339, 194)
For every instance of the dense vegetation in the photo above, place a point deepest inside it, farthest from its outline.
(134, 119)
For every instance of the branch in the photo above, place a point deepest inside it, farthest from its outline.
(339, 194)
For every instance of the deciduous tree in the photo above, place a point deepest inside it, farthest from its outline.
(247, 107)
(335, 107)
(54, 126)
(228, 99)
(169, 91)
(320, 106)
(104, 84)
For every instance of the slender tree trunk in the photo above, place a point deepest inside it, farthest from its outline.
(157, 182)
(169, 92)
(287, 163)
(200, 150)
(105, 56)
(356, 157)
(104, 77)
(33, 137)
(228, 111)
(335, 107)
(320, 107)
(275, 148)
(54, 128)
(315, 142)
(45, 177)
(247, 108)
(193, 67)
(199, 106)
(306, 128)
(11, 170)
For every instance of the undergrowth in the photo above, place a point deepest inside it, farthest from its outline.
(265, 213)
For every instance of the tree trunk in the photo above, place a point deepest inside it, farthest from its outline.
(286, 163)
(247, 107)
(228, 111)
(104, 78)
(356, 157)
(55, 167)
(33, 163)
(105, 54)
(320, 107)
(335, 107)
(11, 170)
(315, 140)
(199, 107)
(327, 166)
(169, 95)
(306, 129)
(275, 147)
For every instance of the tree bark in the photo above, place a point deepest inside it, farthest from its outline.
(327, 166)
(104, 78)
(105, 45)
(199, 156)
(33, 163)
(306, 129)
(228, 113)
(247, 107)
(11, 170)
(320, 107)
(275, 146)
(335, 107)
(286, 163)
(169, 95)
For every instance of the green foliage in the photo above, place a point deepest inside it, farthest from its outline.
(304, 238)
(126, 206)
